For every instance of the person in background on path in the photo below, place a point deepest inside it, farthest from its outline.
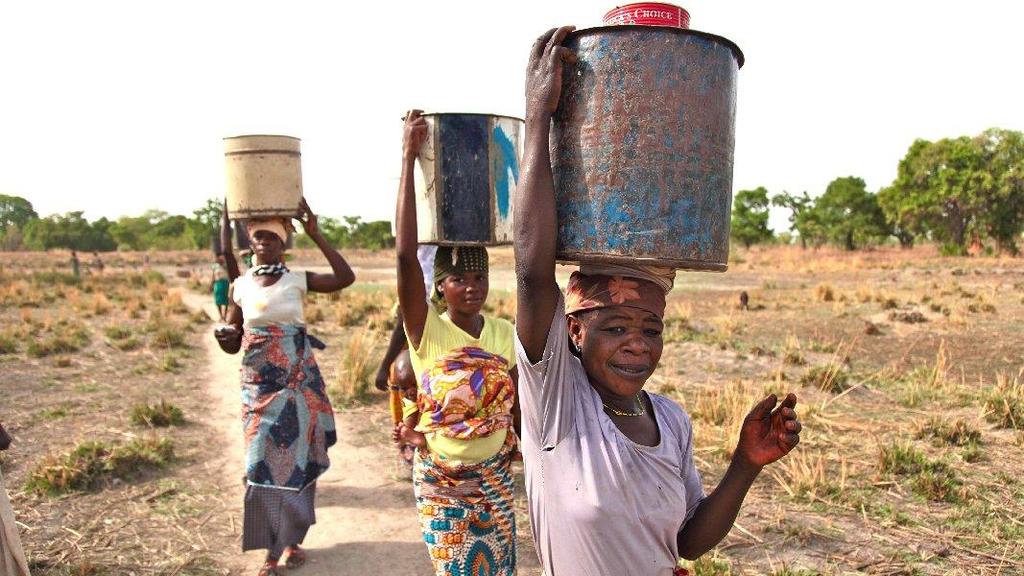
(75, 266)
(227, 251)
(287, 416)
(219, 284)
(12, 556)
(610, 477)
(464, 364)
(403, 380)
(97, 263)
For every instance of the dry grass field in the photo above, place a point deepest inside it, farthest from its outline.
(909, 368)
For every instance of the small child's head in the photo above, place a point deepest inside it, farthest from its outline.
(404, 376)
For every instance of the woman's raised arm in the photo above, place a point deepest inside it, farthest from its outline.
(341, 275)
(535, 219)
(412, 296)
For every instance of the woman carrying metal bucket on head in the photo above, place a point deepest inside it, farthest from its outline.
(287, 416)
(610, 476)
(466, 368)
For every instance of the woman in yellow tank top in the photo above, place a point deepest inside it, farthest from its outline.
(465, 364)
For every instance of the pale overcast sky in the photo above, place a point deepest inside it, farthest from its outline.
(118, 107)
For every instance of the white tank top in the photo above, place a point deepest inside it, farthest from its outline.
(279, 303)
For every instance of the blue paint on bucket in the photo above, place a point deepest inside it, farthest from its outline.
(505, 165)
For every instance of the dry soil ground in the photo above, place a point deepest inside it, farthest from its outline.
(908, 367)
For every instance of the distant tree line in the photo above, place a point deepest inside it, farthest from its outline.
(21, 228)
(957, 192)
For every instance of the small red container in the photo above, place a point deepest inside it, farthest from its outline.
(649, 14)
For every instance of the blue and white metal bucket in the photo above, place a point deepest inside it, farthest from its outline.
(468, 174)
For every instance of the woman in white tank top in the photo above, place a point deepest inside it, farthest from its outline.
(287, 417)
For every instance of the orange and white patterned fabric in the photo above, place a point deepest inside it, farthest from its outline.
(593, 291)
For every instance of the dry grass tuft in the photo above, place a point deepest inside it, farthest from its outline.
(831, 377)
(90, 463)
(501, 305)
(66, 340)
(931, 479)
(8, 343)
(871, 329)
(355, 373)
(824, 293)
(792, 354)
(907, 316)
(1004, 402)
(361, 309)
(314, 314)
(804, 474)
(724, 408)
(927, 383)
(677, 323)
(950, 432)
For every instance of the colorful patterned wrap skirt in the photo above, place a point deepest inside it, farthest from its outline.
(286, 415)
(466, 513)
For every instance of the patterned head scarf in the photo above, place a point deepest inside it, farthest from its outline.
(642, 287)
(455, 261)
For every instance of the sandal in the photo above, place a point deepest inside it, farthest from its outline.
(296, 558)
(268, 569)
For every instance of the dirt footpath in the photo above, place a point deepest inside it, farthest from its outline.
(366, 522)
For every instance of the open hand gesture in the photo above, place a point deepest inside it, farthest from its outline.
(769, 433)
(415, 134)
(544, 72)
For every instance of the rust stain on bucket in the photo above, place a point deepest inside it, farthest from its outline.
(642, 147)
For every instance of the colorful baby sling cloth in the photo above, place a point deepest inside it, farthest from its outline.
(286, 415)
(467, 394)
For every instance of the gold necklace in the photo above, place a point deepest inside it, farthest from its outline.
(632, 414)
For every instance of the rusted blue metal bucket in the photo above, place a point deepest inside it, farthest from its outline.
(468, 173)
(642, 147)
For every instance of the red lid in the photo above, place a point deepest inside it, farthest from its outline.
(649, 14)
